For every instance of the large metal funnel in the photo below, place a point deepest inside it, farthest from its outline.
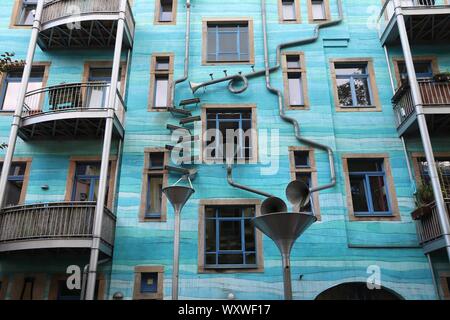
(178, 196)
(284, 228)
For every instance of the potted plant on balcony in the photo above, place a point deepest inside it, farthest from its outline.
(424, 199)
(7, 63)
(442, 76)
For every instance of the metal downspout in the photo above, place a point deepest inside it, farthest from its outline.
(84, 278)
(421, 120)
(280, 95)
(240, 186)
(20, 100)
(186, 53)
(99, 209)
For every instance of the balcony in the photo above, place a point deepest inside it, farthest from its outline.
(429, 229)
(426, 21)
(436, 107)
(83, 24)
(70, 111)
(56, 225)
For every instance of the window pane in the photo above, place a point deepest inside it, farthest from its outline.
(13, 192)
(210, 235)
(149, 282)
(26, 16)
(166, 11)
(365, 165)
(362, 92)
(423, 69)
(358, 191)
(318, 10)
(295, 89)
(344, 92)
(11, 95)
(231, 259)
(293, 62)
(350, 69)
(230, 235)
(13, 82)
(250, 244)
(379, 196)
(227, 42)
(161, 89)
(301, 159)
(82, 190)
(156, 160)
(162, 63)
(288, 10)
(154, 193)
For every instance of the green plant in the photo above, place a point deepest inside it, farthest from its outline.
(7, 63)
(424, 195)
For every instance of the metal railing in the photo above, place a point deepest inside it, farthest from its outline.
(72, 97)
(387, 11)
(60, 9)
(51, 221)
(433, 94)
(428, 226)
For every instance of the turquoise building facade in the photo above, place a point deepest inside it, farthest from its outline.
(340, 248)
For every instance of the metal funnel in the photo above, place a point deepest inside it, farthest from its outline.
(284, 228)
(178, 196)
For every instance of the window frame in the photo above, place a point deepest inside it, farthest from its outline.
(311, 169)
(254, 129)
(157, 13)
(92, 64)
(154, 73)
(373, 88)
(389, 184)
(326, 5)
(251, 49)
(259, 267)
(17, 10)
(297, 11)
(397, 60)
(302, 70)
(26, 176)
(146, 172)
(138, 271)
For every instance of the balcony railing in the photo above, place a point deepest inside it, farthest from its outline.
(91, 96)
(53, 221)
(428, 226)
(434, 94)
(83, 23)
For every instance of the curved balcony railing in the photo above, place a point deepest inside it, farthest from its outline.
(52, 221)
(69, 15)
(73, 97)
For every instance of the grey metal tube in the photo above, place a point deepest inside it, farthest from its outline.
(20, 100)
(240, 186)
(286, 262)
(433, 277)
(99, 209)
(84, 277)
(176, 255)
(424, 134)
(186, 53)
(280, 95)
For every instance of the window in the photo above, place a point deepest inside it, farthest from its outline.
(153, 207)
(148, 283)
(318, 10)
(161, 78)
(24, 12)
(443, 168)
(166, 11)
(17, 182)
(230, 133)
(228, 42)
(303, 168)
(294, 75)
(423, 69)
(289, 11)
(10, 87)
(354, 85)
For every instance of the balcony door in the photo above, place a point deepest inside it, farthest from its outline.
(86, 182)
(99, 87)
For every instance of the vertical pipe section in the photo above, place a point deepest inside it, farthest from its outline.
(99, 209)
(287, 277)
(20, 100)
(176, 256)
(424, 134)
(186, 53)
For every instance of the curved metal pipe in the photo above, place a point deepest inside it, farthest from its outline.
(186, 54)
(240, 186)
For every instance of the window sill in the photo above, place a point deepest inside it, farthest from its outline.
(19, 26)
(221, 63)
(152, 109)
(375, 217)
(303, 107)
(372, 108)
(253, 269)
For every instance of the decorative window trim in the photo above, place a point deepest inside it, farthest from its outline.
(298, 15)
(71, 175)
(53, 290)
(145, 173)
(302, 71)
(201, 235)
(389, 184)
(312, 169)
(158, 11)
(254, 158)
(4, 288)
(26, 177)
(39, 285)
(398, 59)
(45, 64)
(327, 12)
(376, 105)
(138, 270)
(154, 73)
(106, 64)
(251, 46)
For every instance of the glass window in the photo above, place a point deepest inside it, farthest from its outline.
(26, 12)
(228, 42)
(368, 187)
(229, 133)
(156, 160)
(295, 89)
(161, 91)
(166, 11)
(149, 282)
(86, 181)
(423, 69)
(318, 9)
(154, 196)
(353, 85)
(293, 62)
(230, 238)
(288, 10)
(301, 159)
(10, 88)
(443, 168)
(162, 63)
(15, 183)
